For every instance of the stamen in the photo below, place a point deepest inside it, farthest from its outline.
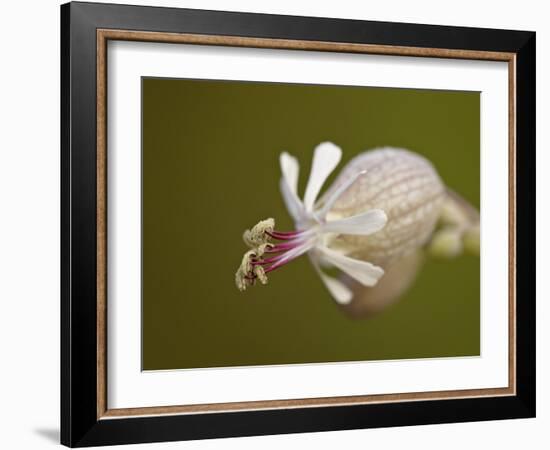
(258, 234)
(284, 235)
(260, 274)
(268, 260)
(284, 246)
(241, 277)
(290, 256)
(261, 249)
(253, 267)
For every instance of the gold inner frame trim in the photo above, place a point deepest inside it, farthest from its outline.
(103, 36)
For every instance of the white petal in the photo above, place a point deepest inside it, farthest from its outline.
(289, 185)
(293, 204)
(361, 224)
(325, 159)
(290, 169)
(339, 291)
(337, 193)
(364, 272)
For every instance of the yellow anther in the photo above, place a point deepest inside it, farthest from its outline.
(260, 273)
(257, 235)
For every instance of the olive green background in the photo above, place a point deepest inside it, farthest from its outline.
(210, 170)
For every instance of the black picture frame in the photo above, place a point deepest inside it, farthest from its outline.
(80, 425)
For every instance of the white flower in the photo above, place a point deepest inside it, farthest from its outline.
(313, 232)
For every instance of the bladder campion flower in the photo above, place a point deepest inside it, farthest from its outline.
(384, 205)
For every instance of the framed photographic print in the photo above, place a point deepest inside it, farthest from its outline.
(276, 224)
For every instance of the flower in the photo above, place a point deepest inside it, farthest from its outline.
(314, 229)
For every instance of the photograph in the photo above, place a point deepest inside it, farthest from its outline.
(357, 207)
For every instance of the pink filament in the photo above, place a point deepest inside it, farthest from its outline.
(291, 240)
(284, 235)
